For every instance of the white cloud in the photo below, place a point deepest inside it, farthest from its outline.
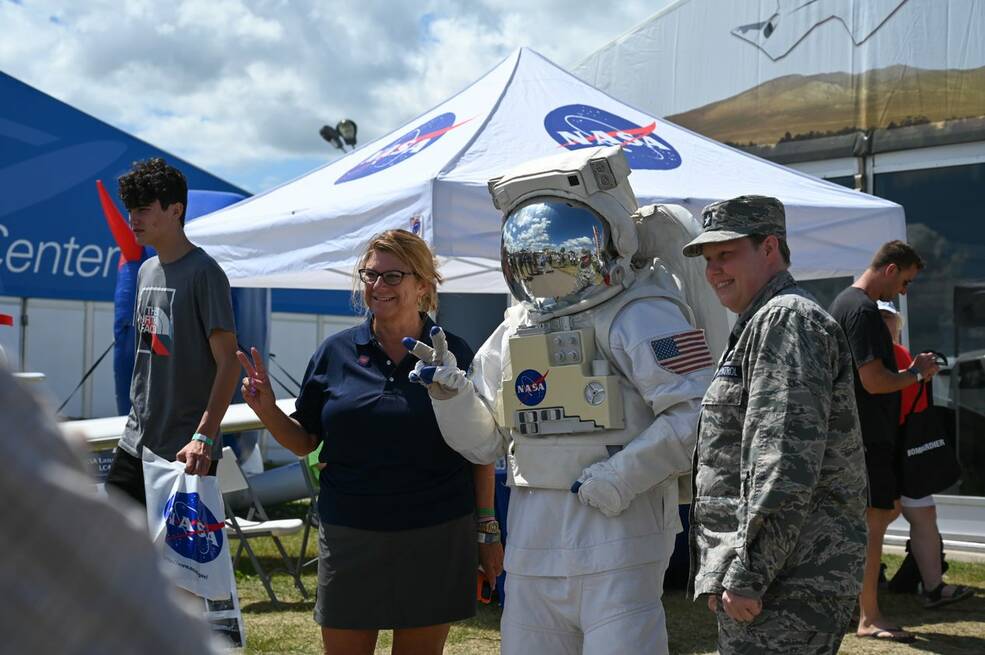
(578, 244)
(528, 229)
(241, 87)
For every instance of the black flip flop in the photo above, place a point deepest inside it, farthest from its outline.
(894, 634)
(936, 597)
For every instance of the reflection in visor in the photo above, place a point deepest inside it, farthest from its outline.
(554, 251)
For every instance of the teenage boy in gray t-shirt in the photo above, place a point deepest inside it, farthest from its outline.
(186, 367)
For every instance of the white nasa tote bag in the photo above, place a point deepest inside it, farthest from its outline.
(186, 518)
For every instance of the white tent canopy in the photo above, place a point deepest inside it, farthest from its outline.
(430, 176)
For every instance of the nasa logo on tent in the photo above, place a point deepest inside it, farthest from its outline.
(531, 387)
(192, 529)
(403, 147)
(583, 126)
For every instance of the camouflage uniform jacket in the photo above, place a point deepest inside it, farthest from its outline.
(779, 471)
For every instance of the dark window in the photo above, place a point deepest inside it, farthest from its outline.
(843, 180)
(945, 218)
(826, 289)
(472, 316)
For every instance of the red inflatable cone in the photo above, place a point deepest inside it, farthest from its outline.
(130, 250)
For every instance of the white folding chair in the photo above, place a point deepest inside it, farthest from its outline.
(232, 480)
(311, 518)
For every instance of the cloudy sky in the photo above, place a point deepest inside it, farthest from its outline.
(240, 87)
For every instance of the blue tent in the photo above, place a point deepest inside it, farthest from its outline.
(54, 242)
(54, 239)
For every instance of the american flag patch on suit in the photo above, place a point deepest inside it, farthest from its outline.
(682, 353)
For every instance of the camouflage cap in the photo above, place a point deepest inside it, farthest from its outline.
(735, 218)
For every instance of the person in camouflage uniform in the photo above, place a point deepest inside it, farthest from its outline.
(778, 527)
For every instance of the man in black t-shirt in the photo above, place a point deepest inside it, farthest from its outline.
(877, 386)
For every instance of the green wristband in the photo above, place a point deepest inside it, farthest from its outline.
(198, 436)
(487, 511)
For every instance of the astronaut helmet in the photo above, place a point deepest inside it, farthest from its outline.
(567, 237)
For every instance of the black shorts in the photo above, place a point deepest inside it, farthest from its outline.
(882, 467)
(126, 473)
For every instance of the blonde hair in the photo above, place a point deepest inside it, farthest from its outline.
(413, 251)
(898, 336)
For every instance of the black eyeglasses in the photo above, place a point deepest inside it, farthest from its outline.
(390, 278)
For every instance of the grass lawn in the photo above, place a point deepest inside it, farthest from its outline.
(955, 630)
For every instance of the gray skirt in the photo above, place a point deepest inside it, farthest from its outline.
(374, 580)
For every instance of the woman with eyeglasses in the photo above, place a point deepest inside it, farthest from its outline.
(398, 508)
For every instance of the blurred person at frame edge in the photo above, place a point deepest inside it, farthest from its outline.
(78, 573)
(925, 545)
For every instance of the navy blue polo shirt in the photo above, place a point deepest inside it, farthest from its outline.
(387, 466)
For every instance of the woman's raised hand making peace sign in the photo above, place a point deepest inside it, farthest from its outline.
(257, 392)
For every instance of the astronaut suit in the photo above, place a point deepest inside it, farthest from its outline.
(591, 388)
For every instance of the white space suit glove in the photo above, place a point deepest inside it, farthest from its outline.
(437, 368)
(600, 487)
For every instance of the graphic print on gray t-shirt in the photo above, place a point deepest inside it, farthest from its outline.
(154, 324)
(179, 304)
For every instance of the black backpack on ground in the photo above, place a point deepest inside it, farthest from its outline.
(907, 579)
